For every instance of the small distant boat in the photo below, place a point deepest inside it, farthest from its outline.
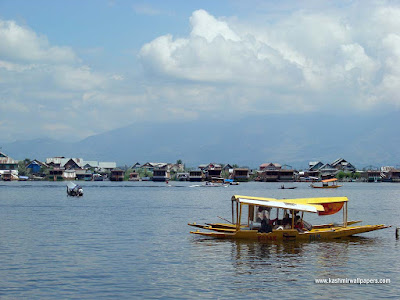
(214, 184)
(230, 182)
(97, 177)
(288, 188)
(326, 185)
(74, 190)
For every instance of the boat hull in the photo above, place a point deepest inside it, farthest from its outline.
(289, 234)
(326, 187)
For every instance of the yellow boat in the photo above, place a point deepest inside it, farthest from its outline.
(326, 185)
(256, 223)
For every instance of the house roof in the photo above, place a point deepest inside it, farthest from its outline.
(107, 165)
(327, 167)
(338, 161)
(91, 163)
(5, 159)
(315, 165)
(37, 162)
(264, 165)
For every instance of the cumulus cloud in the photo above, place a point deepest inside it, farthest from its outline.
(310, 57)
(39, 82)
(22, 44)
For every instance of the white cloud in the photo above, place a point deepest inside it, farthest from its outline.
(21, 44)
(315, 57)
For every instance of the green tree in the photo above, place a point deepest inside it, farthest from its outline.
(22, 169)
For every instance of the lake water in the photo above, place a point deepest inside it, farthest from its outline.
(130, 240)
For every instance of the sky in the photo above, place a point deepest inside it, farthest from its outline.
(72, 69)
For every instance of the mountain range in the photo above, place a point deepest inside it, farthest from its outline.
(286, 139)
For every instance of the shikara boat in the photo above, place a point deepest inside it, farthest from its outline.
(252, 219)
(74, 190)
(326, 185)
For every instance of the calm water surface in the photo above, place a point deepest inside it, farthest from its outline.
(130, 240)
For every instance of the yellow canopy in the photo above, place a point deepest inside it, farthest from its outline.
(320, 200)
(329, 180)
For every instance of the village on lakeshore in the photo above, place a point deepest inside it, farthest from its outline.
(63, 168)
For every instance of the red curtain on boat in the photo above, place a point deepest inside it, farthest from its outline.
(331, 208)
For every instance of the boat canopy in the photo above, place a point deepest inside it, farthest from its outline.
(71, 185)
(321, 205)
(285, 205)
(329, 180)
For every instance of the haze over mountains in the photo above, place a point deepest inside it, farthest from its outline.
(287, 139)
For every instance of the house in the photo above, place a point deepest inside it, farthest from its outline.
(327, 171)
(213, 170)
(107, 166)
(373, 176)
(69, 174)
(343, 165)
(395, 175)
(202, 167)
(150, 166)
(286, 175)
(313, 169)
(90, 164)
(56, 174)
(54, 162)
(36, 166)
(134, 176)
(7, 163)
(8, 175)
(176, 167)
(117, 175)
(269, 171)
(161, 174)
(270, 166)
(196, 175)
(84, 174)
(65, 162)
(137, 165)
(72, 163)
(227, 167)
(240, 174)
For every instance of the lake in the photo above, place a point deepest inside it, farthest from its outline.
(130, 240)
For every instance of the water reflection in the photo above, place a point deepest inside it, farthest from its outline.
(325, 258)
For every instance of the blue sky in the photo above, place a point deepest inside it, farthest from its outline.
(71, 69)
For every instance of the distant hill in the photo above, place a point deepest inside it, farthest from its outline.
(286, 139)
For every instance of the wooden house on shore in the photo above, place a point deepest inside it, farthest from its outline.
(196, 176)
(161, 174)
(240, 174)
(117, 175)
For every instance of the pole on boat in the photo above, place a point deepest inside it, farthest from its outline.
(397, 232)
(224, 219)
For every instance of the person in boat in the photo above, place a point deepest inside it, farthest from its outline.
(261, 214)
(298, 224)
(287, 221)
